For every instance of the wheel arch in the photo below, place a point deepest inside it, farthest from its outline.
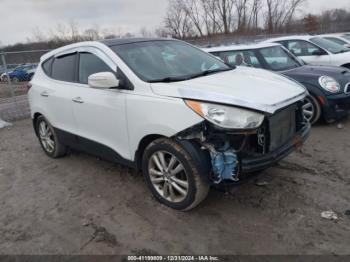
(34, 119)
(346, 65)
(316, 92)
(144, 142)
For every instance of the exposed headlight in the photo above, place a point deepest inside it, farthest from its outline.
(227, 116)
(329, 84)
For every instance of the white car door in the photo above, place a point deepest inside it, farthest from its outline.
(309, 52)
(100, 114)
(54, 91)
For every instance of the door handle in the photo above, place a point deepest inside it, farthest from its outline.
(78, 100)
(44, 94)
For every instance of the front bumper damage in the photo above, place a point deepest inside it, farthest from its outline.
(252, 150)
(253, 164)
(336, 107)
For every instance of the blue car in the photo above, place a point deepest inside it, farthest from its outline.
(21, 73)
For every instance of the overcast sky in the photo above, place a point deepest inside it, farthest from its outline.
(19, 18)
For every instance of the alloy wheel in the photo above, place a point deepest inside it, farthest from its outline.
(168, 176)
(308, 109)
(46, 137)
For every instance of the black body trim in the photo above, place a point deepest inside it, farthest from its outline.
(92, 148)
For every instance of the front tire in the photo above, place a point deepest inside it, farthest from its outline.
(173, 176)
(312, 109)
(48, 138)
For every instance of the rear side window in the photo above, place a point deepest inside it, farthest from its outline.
(63, 68)
(90, 64)
(47, 66)
(303, 48)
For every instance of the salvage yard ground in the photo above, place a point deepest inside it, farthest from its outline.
(82, 205)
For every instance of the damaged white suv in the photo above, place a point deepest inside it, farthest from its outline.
(183, 117)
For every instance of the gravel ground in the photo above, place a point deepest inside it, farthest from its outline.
(82, 205)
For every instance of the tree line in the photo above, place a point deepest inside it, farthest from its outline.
(188, 18)
(205, 19)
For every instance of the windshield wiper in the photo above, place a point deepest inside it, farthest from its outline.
(184, 78)
(343, 51)
(168, 80)
(209, 72)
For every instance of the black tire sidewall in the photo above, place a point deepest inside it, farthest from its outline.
(167, 147)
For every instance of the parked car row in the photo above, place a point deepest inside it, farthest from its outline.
(10, 67)
(315, 50)
(341, 39)
(328, 86)
(185, 118)
(24, 72)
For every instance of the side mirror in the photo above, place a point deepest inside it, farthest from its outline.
(318, 52)
(103, 80)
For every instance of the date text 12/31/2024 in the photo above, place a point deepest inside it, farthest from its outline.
(173, 258)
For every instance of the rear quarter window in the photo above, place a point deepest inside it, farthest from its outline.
(47, 66)
(63, 68)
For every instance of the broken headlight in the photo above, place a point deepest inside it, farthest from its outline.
(227, 116)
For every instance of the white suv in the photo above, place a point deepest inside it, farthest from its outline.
(315, 50)
(183, 117)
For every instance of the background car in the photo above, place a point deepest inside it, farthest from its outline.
(10, 68)
(328, 86)
(315, 50)
(340, 39)
(21, 73)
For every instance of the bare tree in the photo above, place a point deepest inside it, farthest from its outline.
(280, 13)
(224, 9)
(255, 10)
(241, 11)
(144, 32)
(193, 10)
(177, 21)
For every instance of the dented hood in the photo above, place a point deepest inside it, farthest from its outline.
(245, 87)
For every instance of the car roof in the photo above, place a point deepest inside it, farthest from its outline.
(123, 41)
(107, 42)
(291, 37)
(239, 47)
(332, 35)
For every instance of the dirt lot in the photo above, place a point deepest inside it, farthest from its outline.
(82, 205)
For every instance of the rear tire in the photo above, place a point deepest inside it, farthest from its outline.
(48, 138)
(312, 109)
(172, 175)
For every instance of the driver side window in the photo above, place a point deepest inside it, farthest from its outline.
(303, 48)
(90, 64)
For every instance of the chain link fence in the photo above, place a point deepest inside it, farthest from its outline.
(16, 70)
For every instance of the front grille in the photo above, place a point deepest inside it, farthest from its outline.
(282, 126)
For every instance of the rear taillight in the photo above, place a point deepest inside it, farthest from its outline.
(29, 85)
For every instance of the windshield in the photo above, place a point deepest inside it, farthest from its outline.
(167, 60)
(279, 59)
(347, 36)
(329, 45)
(336, 40)
(274, 58)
